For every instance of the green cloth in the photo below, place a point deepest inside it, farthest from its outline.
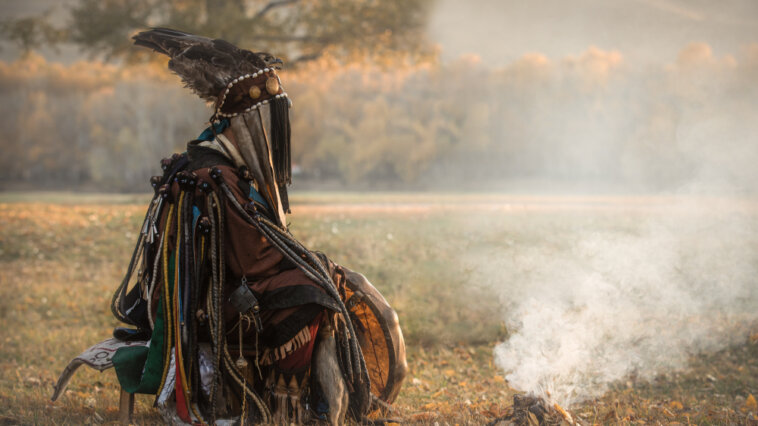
(140, 368)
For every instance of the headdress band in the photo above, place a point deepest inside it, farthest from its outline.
(249, 92)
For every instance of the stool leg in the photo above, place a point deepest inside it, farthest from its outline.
(125, 407)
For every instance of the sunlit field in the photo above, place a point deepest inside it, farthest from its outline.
(62, 255)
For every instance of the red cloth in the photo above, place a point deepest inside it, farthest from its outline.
(301, 357)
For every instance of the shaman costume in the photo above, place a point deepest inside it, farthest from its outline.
(233, 318)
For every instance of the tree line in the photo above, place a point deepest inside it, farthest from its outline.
(396, 121)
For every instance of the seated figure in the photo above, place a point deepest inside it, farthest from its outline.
(231, 317)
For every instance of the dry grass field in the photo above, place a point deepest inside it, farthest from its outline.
(61, 256)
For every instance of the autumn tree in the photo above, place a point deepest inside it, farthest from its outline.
(295, 29)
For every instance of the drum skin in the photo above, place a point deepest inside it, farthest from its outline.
(379, 334)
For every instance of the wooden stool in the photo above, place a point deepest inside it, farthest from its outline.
(125, 407)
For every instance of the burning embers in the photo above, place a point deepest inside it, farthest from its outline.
(533, 411)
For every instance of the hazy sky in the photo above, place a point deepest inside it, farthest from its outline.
(18, 8)
(501, 31)
(642, 30)
(22, 8)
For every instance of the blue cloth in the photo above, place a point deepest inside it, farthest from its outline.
(195, 216)
(208, 134)
(255, 196)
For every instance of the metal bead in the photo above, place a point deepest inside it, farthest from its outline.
(241, 363)
(215, 174)
(254, 92)
(272, 85)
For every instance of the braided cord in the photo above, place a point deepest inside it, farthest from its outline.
(312, 268)
(239, 378)
(178, 320)
(215, 314)
(211, 297)
(166, 303)
(153, 280)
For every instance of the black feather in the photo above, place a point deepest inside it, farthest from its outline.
(205, 65)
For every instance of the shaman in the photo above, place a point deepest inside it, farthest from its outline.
(228, 316)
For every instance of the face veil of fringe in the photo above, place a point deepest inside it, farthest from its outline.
(280, 147)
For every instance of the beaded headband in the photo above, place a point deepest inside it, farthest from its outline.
(249, 92)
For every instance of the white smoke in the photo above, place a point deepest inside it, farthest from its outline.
(594, 296)
(590, 304)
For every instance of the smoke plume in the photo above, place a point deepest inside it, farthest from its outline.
(595, 301)
(594, 296)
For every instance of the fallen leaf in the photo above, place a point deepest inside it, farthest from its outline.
(32, 381)
(90, 402)
(429, 406)
(488, 413)
(449, 372)
(676, 405)
(424, 416)
(610, 415)
(751, 403)
(563, 413)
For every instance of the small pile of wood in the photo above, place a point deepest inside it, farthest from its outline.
(529, 410)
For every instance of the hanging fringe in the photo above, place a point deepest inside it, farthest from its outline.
(271, 355)
(280, 141)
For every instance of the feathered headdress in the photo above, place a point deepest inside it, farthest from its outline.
(236, 81)
(205, 65)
